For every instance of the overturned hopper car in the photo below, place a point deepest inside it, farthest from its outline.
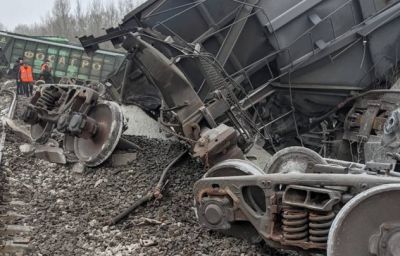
(291, 65)
(67, 60)
(233, 73)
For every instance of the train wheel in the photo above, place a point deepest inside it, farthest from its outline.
(94, 151)
(237, 167)
(293, 159)
(369, 224)
(233, 167)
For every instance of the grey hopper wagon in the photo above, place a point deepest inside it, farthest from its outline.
(291, 64)
(231, 73)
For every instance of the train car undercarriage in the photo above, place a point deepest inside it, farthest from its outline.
(304, 202)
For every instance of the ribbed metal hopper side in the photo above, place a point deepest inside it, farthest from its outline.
(338, 45)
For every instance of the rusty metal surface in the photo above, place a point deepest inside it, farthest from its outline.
(216, 145)
(364, 126)
(291, 210)
(215, 212)
(91, 127)
(368, 224)
(101, 145)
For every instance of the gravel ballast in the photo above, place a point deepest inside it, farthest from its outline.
(70, 206)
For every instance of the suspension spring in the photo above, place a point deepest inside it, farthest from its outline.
(48, 98)
(295, 225)
(319, 224)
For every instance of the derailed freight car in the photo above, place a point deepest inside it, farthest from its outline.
(291, 64)
(66, 60)
(231, 73)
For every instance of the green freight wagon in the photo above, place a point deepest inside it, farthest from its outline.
(66, 60)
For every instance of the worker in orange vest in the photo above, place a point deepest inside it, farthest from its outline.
(26, 78)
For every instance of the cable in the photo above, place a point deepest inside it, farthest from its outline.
(294, 110)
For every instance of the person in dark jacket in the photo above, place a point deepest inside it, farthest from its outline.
(15, 70)
(45, 72)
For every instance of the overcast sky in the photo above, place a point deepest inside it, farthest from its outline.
(14, 12)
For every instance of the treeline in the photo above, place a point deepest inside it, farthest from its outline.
(70, 19)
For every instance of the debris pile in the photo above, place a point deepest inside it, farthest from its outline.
(70, 210)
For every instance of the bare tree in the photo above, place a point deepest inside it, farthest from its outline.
(80, 19)
(22, 29)
(125, 6)
(2, 27)
(95, 17)
(72, 20)
(112, 15)
(62, 22)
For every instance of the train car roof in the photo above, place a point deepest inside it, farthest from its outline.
(49, 42)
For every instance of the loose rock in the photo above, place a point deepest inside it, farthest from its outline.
(27, 149)
(123, 159)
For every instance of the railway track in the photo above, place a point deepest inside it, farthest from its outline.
(14, 233)
(8, 104)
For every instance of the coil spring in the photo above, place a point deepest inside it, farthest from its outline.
(47, 99)
(319, 224)
(295, 225)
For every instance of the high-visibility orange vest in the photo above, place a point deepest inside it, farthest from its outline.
(26, 74)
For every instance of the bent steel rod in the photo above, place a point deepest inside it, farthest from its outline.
(155, 193)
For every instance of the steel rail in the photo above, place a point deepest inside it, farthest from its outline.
(10, 115)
